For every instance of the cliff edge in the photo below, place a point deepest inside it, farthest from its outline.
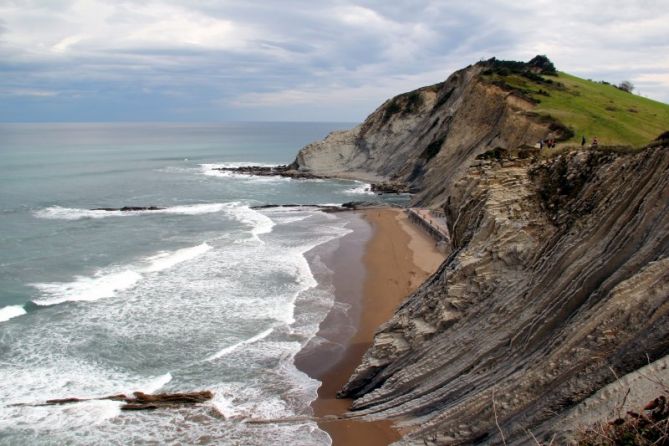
(422, 140)
(558, 283)
(414, 138)
(558, 278)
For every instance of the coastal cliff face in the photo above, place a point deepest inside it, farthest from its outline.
(421, 138)
(558, 282)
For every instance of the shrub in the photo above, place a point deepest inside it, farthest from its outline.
(647, 427)
(626, 86)
(543, 64)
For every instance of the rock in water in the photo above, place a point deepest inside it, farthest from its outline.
(145, 401)
(171, 398)
(130, 209)
(264, 171)
(139, 407)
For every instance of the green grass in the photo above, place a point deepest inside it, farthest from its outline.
(594, 109)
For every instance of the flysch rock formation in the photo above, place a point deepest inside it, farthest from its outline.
(558, 283)
(417, 137)
(558, 278)
(630, 393)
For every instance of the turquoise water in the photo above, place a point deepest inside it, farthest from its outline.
(208, 293)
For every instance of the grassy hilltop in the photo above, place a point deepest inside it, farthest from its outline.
(587, 108)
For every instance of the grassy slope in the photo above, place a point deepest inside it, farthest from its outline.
(593, 109)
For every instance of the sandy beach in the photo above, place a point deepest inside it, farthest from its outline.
(375, 268)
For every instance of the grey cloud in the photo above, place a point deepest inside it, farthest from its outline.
(292, 49)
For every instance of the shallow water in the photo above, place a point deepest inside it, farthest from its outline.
(205, 294)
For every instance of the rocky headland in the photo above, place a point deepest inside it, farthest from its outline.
(270, 171)
(557, 282)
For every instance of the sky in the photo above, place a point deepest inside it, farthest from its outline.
(298, 60)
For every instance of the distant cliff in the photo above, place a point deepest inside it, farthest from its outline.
(423, 138)
(418, 137)
(558, 279)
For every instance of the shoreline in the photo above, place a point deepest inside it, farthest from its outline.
(374, 269)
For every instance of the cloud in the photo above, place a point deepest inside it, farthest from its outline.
(28, 92)
(233, 59)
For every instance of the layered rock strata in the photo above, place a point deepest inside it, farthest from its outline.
(557, 283)
(421, 139)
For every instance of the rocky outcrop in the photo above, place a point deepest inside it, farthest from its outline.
(390, 188)
(143, 401)
(130, 209)
(270, 171)
(558, 282)
(629, 394)
(421, 139)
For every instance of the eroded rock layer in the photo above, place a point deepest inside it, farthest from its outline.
(422, 138)
(558, 281)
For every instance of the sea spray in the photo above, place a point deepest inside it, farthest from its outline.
(108, 282)
(64, 213)
(240, 295)
(11, 311)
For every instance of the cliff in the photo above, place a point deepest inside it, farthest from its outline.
(423, 138)
(558, 283)
(416, 137)
(558, 278)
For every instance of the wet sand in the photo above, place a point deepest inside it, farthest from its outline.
(374, 269)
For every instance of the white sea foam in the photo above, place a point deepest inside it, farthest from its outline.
(165, 260)
(184, 316)
(62, 213)
(235, 165)
(234, 347)
(108, 282)
(66, 377)
(71, 417)
(157, 383)
(11, 311)
(267, 401)
(42, 375)
(102, 284)
(360, 189)
(211, 169)
(260, 223)
(286, 219)
(89, 413)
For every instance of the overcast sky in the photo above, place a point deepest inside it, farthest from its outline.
(298, 60)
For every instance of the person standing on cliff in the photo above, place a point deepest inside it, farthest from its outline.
(595, 142)
(541, 144)
(583, 141)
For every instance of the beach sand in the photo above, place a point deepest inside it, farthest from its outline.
(374, 269)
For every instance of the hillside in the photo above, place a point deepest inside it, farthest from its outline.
(590, 108)
(421, 139)
(557, 282)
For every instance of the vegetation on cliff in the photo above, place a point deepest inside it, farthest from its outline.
(558, 279)
(424, 138)
(586, 107)
(646, 427)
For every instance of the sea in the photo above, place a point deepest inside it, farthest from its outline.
(213, 292)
